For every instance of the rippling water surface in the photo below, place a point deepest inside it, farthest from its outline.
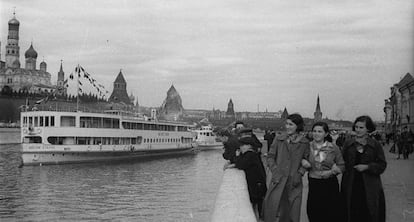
(165, 189)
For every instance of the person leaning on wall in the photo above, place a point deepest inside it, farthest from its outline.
(251, 164)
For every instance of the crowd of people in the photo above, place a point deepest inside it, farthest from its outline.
(403, 142)
(275, 185)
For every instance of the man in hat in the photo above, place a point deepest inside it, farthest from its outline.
(248, 132)
(230, 146)
(250, 162)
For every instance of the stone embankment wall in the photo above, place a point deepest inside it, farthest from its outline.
(232, 202)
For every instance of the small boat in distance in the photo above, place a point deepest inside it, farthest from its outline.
(207, 139)
(54, 137)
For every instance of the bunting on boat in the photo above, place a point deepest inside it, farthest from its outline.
(86, 78)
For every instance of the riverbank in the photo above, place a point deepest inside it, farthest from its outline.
(9, 135)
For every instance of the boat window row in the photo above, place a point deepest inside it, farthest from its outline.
(151, 126)
(94, 140)
(55, 140)
(99, 122)
(166, 140)
(36, 121)
(206, 134)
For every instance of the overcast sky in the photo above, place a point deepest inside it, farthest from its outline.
(263, 54)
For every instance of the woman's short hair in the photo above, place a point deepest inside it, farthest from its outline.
(238, 123)
(325, 128)
(297, 119)
(368, 123)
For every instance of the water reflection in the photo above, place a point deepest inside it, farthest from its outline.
(164, 189)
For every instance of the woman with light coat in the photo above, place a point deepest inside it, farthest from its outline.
(284, 196)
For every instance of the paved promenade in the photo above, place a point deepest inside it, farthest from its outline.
(398, 181)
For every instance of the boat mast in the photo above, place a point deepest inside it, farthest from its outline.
(77, 71)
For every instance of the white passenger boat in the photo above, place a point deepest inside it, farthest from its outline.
(207, 139)
(54, 137)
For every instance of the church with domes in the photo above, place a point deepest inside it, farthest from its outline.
(14, 77)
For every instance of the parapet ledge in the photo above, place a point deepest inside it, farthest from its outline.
(233, 202)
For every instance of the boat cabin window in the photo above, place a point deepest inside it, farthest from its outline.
(106, 140)
(115, 123)
(52, 121)
(36, 121)
(56, 140)
(83, 140)
(61, 140)
(46, 121)
(97, 140)
(98, 122)
(182, 128)
(131, 125)
(32, 139)
(146, 126)
(110, 123)
(67, 121)
(30, 120)
(41, 121)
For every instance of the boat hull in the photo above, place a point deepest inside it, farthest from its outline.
(52, 157)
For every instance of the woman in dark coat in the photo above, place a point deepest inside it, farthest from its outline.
(284, 195)
(361, 186)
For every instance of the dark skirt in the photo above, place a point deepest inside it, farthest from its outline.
(323, 200)
(359, 209)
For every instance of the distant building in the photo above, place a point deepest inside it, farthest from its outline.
(388, 114)
(119, 93)
(62, 89)
(399, 108)
(285, 114)
(14, 78)
(317, 115)
(172, 108)
(195, 114)
(230, 110)
(260, 115)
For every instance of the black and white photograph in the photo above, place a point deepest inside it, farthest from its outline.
(196, 111)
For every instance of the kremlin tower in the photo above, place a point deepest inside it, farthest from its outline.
(317, 114)
(172, 108)
(119, 93)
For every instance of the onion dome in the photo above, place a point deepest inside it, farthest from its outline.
(31, 53)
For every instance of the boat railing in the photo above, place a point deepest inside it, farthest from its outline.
(124, 114)
(60, 109)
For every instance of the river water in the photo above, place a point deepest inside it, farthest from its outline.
(171, 188)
